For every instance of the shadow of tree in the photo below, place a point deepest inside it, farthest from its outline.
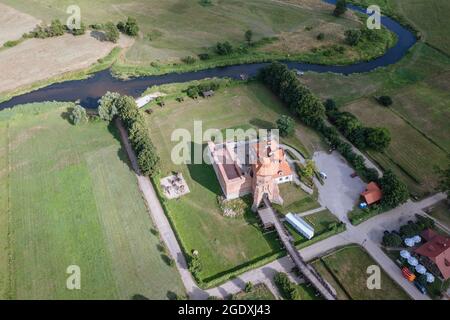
(262, 124)
(98, 35)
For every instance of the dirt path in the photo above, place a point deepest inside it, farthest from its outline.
(39, 59)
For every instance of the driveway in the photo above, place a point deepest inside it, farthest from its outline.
(340, 191)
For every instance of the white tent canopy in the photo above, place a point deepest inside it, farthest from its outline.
(413, 261)
(405, 254)
(430, 277)
(421, 269)
(409, 242)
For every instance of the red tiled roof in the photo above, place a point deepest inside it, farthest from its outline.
(437, 249)
(372, 193)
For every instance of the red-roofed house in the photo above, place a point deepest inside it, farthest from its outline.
(435, 253)
(372, 194)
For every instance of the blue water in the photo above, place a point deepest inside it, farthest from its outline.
(88, 91)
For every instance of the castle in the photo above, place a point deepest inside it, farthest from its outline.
(255, 167)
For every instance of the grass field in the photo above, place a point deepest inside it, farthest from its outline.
(441, 212)
(409, 154)
(319, 221)
(173, 29)
(429, 17)
(346, 269)
(224, 244)
(68, 197)
(295, 199)
(258, 292)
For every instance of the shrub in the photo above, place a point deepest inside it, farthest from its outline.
(129, 27)
(286, 287)
(320, 36)
(285, 125)
(341, 8)
(392, 240)
(78, 115)
(224, 48)
(248, 287)
(111, 32)
(395, 192)
(188, 60)
(80, 31)
(204, 56)
(352, 37)
(11, 43)
(385, 101)
(107, 108)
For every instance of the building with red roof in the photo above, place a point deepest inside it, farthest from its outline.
(435, 253)
(372, 194)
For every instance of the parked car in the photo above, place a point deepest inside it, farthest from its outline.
(299, 72)
(323, 175)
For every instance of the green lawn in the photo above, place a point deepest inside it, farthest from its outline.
(441, 212)
(347, 269)
(295, 199)
(413, 157)
(224, 244)
(73, 200)
(258, 292)
(320, 221)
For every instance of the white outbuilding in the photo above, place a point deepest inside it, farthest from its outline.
(299, 224)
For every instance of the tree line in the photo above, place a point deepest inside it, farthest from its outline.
(113, 105)
(312, 112)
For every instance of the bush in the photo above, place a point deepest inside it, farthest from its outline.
(248, 287)
(107, 107)
(80, 31)
(204, 56)
(55, 29)
(285, 125)
(224, 48)
(352, 37)
(320, 36)
(11, 43)
(78, 115)
(129, 27)
(188, 60)
(392, 240)
(286, 287)
(341, 8)
(385, 101)
(395, 192)
(111, 32)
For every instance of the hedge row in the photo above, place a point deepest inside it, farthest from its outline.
(147, 157)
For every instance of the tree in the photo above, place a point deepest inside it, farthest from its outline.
(111, 32)
(309, 169)
(392, 240)
(394, 191)
(107, 108)
(352, 36)
(341, 8)
(285, 125)
(377, 138)
(330, 105)
(385, 100)
(129, 27)
(78, 115)
(248, 36)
